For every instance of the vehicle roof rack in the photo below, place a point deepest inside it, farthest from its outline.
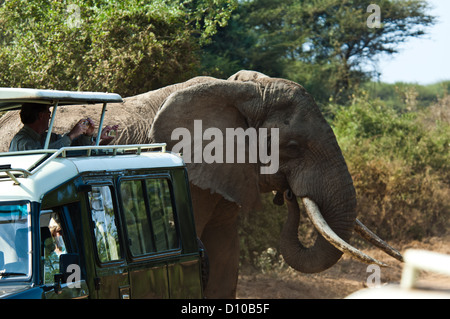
(73, 151)
(13, 98)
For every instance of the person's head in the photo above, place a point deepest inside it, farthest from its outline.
(35, 115)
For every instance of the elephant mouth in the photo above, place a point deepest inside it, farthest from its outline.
(329, 235)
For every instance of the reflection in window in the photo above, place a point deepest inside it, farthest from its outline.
(149, 216)
(162, 214)
(139, 236)
(53, 244)
(14, 241)
(105, 229)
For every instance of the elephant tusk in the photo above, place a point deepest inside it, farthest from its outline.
(324, 229)
(372, 238)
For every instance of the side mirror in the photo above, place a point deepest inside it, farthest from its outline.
(66, 263)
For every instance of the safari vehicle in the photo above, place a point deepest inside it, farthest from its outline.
(94, 221)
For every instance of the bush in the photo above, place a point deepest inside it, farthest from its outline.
(400, 166)
(127, 47)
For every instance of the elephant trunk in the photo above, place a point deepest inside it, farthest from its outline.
(330, 204)
(338, 215)
(327, 191)
(317, 258)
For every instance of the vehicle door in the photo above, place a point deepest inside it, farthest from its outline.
(185, 273)
(111, 272)
(151, 235)
(58, 240)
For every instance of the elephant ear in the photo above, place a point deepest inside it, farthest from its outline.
(195, 121)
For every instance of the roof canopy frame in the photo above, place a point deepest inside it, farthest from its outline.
(13, 98)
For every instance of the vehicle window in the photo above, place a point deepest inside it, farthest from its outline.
(137, 223)
(53, 244)
(149, 216)
(14, 241)
(104, 223)
(162, 214)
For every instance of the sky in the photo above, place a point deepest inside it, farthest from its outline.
(425, 60)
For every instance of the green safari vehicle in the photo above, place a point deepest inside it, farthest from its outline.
(95, 221)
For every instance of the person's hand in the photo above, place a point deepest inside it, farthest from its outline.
(78, 129)
(105, 137)
(90, 127)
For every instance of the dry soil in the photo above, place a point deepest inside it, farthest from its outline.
(344, 278)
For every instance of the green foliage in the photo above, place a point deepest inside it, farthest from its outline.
(128, 47)
(400, 163)
(407, 96)
(322, 44)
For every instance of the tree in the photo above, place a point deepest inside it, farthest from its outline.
(128, 47)
(311, 41)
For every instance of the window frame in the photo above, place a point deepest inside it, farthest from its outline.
(110, 185)
(30, 242)
(66, 228)
(142, 178)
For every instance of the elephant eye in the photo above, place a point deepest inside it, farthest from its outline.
(293, 149)
(292, 144)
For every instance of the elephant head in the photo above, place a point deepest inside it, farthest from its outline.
(309, 161)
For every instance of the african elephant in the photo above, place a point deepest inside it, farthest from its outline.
(309, 164)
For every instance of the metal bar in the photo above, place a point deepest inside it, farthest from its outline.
(16, 182)
(21, 170)
(100, 125)
(139, 148)
(50, 127)
(30, 152)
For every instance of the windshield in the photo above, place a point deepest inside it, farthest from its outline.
(15, 241)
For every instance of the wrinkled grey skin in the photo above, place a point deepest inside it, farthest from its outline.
(310, 162)
(311, 165)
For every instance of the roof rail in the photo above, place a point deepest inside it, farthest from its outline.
(110, 150)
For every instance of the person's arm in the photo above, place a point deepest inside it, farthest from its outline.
(83, 140)
(60, 141)
(24, 144)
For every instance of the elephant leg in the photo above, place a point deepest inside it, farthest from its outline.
(204, 204)
(220, 237)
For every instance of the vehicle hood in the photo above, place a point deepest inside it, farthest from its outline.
(11, 289)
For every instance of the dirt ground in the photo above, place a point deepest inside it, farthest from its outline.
(344, 278)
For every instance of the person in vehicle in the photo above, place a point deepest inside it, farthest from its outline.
(36, 117)
(54, 246)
